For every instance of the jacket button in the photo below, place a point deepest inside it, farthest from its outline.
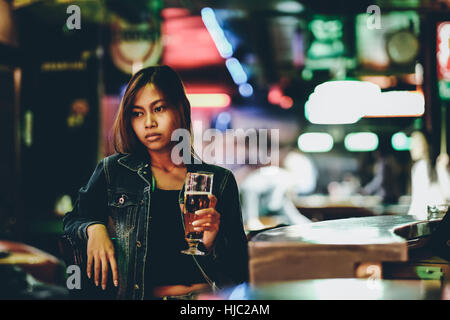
(136, 287)
(138, 244)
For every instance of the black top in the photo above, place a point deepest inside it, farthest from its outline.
(165, 264)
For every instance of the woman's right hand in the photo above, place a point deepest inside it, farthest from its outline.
(100, 253)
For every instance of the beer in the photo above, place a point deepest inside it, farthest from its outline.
(193, 201)
(198, 186)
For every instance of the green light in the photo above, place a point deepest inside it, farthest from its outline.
(361, 142)
(400, 141)
(327, 38)
(307, 74)
(444, 89)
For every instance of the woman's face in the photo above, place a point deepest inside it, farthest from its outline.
(153, 119)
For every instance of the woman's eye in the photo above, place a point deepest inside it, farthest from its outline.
(159, 109)
(137, 113)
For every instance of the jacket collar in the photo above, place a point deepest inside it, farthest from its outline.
(136, 162)
(132, 161)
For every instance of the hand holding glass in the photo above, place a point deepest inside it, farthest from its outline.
(198, 187)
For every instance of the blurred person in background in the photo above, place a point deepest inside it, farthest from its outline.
(265, 191)
(429, 182)
(385, 182)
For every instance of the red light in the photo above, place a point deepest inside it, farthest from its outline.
(274, 95)
(286, 102)
(169, 13)
(187, 43)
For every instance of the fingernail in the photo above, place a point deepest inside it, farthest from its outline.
(96, 283)
(89, 275)
(116, 283)
(103, 287)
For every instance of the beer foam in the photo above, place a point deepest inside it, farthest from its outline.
(197, 193)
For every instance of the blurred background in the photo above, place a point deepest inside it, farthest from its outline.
(345, 83)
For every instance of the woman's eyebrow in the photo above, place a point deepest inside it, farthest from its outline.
(151, 104)
(156, 101)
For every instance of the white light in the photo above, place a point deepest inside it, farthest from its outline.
(246, 90)
(236, 71)
(398, 104)
(361, 141)
(136, 66)
(340, 102)
(289, 7)
(223, 46)
(315, 142)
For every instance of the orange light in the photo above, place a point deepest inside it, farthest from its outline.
(383, 82)
(209, 100)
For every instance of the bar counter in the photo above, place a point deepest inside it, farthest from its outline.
(343, 248)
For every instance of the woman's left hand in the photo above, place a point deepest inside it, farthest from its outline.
(208, 221)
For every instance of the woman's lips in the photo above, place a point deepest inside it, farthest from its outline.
(152, 137)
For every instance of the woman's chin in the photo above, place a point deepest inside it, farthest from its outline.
(156, 146)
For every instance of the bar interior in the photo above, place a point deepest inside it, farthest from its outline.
(330, 114)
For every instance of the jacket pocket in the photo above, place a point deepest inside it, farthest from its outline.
(123, 207)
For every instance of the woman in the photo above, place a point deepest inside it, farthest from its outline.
(135, 196)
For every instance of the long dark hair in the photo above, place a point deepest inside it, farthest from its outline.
(169, 84)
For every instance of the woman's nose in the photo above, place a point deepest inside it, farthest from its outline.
(150, 121)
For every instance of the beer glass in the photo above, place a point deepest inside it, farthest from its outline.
(437, 211)
(198, 186)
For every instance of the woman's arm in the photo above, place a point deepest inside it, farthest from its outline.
(231, 249)
(87, 222)
(90, 207)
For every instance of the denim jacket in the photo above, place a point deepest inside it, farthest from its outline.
(118, 195)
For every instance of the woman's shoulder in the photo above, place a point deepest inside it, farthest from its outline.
(117, 160)
(112, 159)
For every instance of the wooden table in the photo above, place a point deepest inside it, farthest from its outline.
(327, 249)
